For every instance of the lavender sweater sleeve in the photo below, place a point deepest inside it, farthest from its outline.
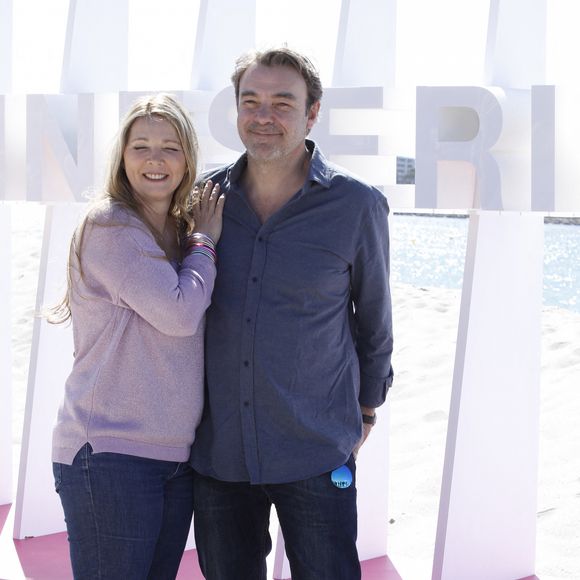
(136, 385)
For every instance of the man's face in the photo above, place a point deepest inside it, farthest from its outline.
(272, 116)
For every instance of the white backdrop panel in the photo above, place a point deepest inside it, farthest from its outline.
(213, 60)
(5, 360)
(38, 510)
(375, 21)
(5, 46)
(96, 47)
(487, 513)
(516, 54)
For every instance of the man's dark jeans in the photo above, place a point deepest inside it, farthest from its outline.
(318, 520)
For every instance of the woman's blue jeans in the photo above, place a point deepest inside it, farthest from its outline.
(319, 522)
(127, 517)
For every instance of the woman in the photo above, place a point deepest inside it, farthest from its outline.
(141, 273)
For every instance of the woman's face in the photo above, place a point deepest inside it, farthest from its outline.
(154, 160)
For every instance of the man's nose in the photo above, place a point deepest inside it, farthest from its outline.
(264, 113)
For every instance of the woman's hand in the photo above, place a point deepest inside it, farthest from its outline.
(207, 210)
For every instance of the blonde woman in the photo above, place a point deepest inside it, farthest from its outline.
(141, 274)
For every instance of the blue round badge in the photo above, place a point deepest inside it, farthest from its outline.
(341, 477)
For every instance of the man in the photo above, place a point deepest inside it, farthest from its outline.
(298, 341)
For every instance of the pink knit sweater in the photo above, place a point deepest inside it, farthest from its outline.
(136, 386)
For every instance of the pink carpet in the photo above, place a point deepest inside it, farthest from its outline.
(4, 511)
(46, 558)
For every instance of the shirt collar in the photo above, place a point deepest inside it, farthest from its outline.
(234, 172)
(319, 171)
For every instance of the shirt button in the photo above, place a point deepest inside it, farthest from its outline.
(248, 320)
(254, 279)
(246, 403)
(260, 239)
(246, 363)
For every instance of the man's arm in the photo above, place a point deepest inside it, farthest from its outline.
(369, 417)
(373, 313)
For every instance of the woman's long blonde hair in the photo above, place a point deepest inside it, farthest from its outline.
(118, 189)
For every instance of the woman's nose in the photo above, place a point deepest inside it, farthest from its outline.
(154, 156)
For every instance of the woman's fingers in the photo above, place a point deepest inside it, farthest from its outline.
(213, 189)
(208, 209)
(219, 204)
(203, 193)
(208, 199)
(206, 190)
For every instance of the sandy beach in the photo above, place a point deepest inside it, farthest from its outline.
(425, 330)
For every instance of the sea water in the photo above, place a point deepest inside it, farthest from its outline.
(430, 251)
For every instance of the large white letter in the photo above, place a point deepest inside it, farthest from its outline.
(456, 128)
(472, 148)
(2, 149)
(555, 155)
(60, 146)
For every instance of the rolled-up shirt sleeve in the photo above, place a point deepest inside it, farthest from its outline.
(371, 297)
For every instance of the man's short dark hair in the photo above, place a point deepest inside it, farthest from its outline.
(281, 56)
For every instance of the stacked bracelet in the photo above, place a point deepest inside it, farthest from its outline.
(198, 243)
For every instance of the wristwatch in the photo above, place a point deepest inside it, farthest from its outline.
(369, 419)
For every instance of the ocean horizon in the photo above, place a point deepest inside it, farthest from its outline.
(429, 251)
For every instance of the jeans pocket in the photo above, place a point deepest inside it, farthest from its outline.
(351, 464)
(57, 472)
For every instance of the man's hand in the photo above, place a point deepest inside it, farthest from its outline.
(366, 429)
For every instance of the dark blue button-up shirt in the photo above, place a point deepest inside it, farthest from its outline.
(299, 331)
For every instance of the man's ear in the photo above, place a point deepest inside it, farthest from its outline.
(312, 115)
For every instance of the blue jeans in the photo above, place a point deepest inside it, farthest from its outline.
(127, 517)
(318, 520)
